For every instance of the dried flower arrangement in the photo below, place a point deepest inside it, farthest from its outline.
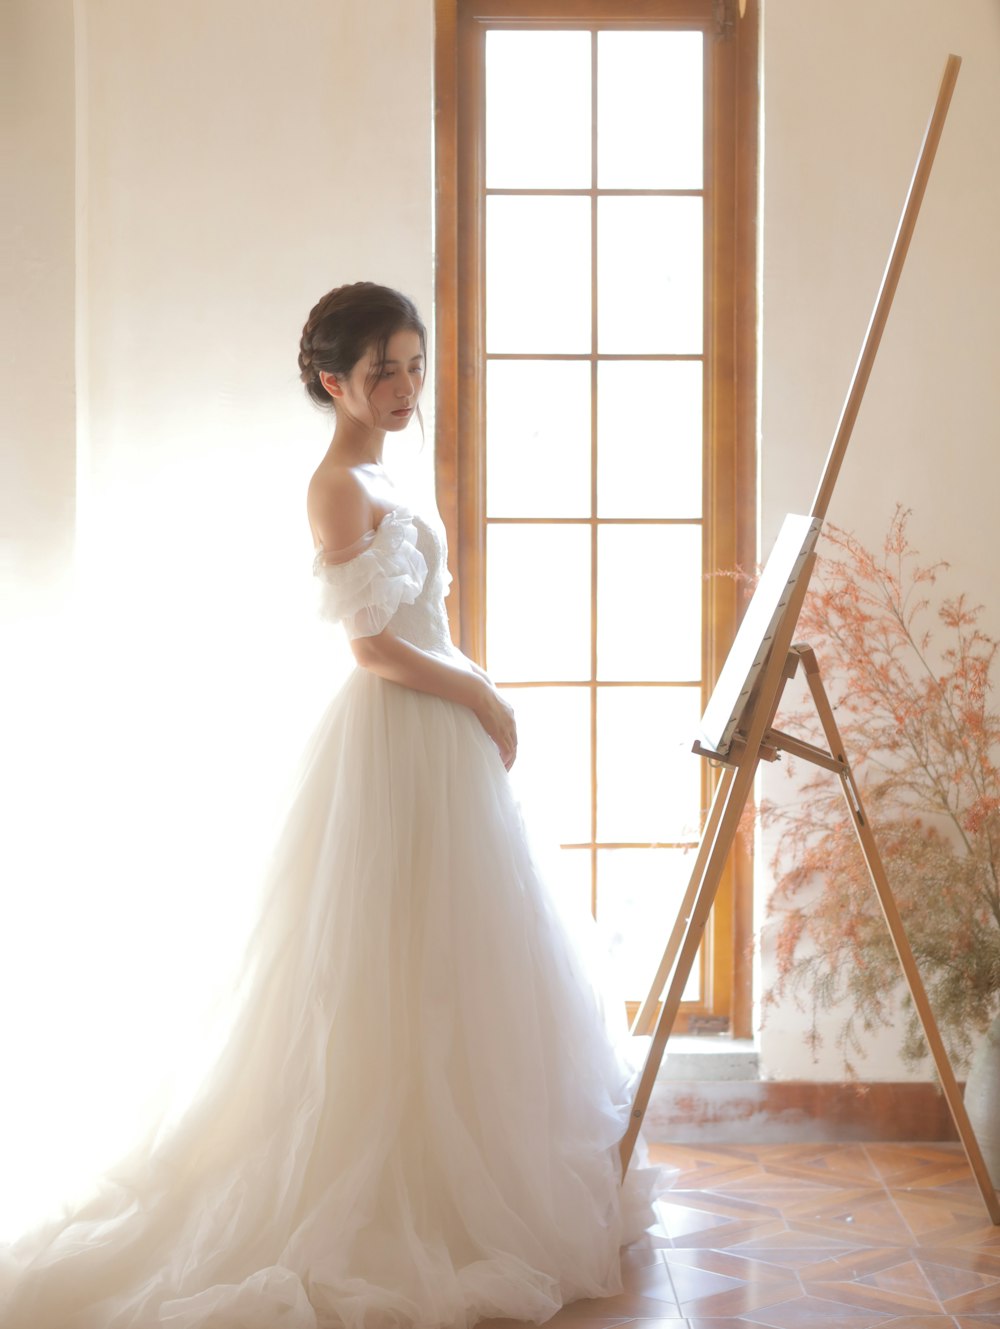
(910, 679)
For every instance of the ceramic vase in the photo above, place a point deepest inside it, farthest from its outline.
(982, 1098)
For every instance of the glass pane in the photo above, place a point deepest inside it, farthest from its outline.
(649, 276)
(649, 110)
(648, 779)
(538, 602)
(538, 110)
(551, 776)
(649, 438)
(568, 878)
(639, 892)
(538, 438)
(537, 275)
(649, 587)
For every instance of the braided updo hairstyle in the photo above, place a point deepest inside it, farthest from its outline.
(347, 322)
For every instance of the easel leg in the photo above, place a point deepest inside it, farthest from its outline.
(734, 799)
(704, 890)
(643, 1022)
(883, 890)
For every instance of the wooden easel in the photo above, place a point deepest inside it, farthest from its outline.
(762, 661)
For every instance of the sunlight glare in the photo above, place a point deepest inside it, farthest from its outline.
(150, 735)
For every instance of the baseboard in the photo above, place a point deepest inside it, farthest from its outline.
(787, 1111)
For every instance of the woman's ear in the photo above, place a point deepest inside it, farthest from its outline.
(331, 383)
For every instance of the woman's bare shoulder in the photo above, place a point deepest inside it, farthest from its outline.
(339, 506)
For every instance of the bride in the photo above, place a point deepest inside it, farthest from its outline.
(415, 1115)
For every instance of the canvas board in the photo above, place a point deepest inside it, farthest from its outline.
(748, 654)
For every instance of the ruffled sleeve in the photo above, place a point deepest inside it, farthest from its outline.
(363, 586)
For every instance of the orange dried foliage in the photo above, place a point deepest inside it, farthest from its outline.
(910, 679)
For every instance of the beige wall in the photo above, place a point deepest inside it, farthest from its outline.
(243, 159)
(37, 278)
(237, 159)
(848, 87)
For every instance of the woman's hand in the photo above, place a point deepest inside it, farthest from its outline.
(455, 678)
(496, 715)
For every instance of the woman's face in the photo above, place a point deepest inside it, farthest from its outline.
(396, 390)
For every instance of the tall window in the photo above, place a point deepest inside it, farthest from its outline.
(590, 353)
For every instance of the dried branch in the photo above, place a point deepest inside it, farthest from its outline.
(911, 684)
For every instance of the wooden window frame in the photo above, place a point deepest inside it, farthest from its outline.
(730, 479)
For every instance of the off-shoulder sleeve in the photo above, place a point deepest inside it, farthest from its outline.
(364, 585)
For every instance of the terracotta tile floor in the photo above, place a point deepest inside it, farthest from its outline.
(809, 1237)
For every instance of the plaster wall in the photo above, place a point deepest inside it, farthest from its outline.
(37, 279)
(848, 88)
(185, 179)
(241, 160)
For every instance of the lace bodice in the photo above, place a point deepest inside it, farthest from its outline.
(395, 574)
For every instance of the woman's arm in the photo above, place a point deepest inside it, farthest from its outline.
(477, 668)
(340, 512)
(401, 662)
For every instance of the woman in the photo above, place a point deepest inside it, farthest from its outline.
(353, 358)
(415, 1116)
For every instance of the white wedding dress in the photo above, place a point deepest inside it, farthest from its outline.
(413, 1120)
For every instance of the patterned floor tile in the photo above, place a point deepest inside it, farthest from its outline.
(808, 1236)
(732, 1234)
(871, 1297)
(816, 1313)
(603, 1311)
(801, 1241)
(949, 1280)
(858, 1264)
(980, 1236)
(680, 1220)
(844, 1166)
(812, 1261)
(728, 1263)
(777, 1196)
(921, 1322)
(929, 1212)
(865, 1217)
(692, 1284)
(739, 1300)
(983, 1301)
(955, 1257)
(907, 1277)
(648, 1324)
(919, 1165)
(655, 1282)
(698, 1162)
(569, 1318)
(718, 1322)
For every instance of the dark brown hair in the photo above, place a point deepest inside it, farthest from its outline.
(347, 322)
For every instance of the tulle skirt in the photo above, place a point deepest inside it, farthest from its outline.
(413, 1117)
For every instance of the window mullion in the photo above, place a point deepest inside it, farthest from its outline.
(593, 473)
(611, 546)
